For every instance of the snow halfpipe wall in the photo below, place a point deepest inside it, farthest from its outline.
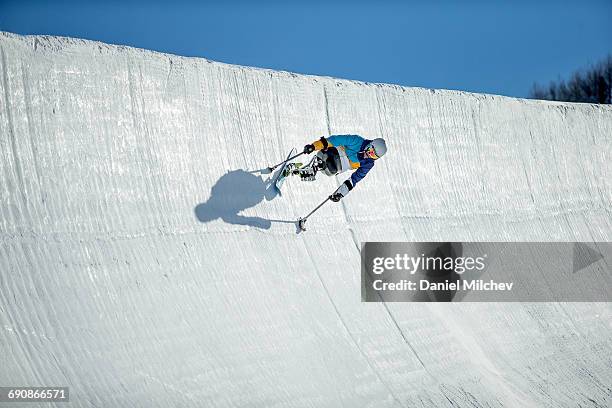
(145, 262)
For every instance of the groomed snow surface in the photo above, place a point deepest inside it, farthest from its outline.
(143, 262)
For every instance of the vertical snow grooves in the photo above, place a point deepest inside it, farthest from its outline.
(242, 143)
(342, 203)
(341, 319)
(138, 122)
(145, 134)
(383, 134)
(399, 329)
(132, 95)
(565, 211)
(276, 114)
(326, 101)
(11, 132)
(434, 147)
(479, 147)
(169, 73)
(31, 128)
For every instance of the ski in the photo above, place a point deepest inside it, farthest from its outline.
(279, 177)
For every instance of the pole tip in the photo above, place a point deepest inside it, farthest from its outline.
(302, 223)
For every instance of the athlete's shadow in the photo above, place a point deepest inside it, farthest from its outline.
(234, 192)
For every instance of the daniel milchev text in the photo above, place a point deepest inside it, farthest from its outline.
(412, 264)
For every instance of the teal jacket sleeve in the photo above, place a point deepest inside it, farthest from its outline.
(353, 142)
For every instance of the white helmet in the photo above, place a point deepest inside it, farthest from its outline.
(380, 147)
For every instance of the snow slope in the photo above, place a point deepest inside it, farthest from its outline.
(143, 263)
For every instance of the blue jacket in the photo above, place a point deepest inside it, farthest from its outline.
(353, 146)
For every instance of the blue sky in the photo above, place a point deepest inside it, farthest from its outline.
(498, 47)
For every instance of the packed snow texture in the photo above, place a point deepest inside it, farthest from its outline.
(144, 262)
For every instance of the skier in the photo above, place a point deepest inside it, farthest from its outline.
(337, 154)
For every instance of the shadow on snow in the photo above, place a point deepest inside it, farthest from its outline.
(234, 192)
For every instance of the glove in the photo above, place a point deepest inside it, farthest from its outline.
(309, 148)
(342, 191)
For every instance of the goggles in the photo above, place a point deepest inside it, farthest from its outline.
(370, 152)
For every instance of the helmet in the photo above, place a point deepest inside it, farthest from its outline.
(380, 147)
